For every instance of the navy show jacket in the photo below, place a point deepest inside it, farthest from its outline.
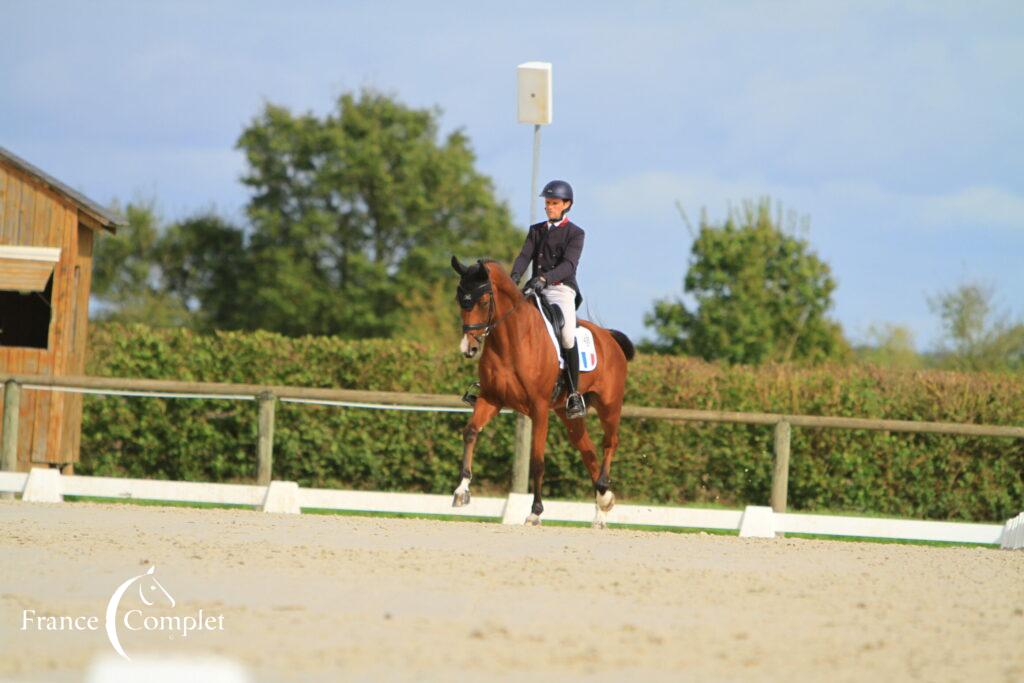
(555, 253)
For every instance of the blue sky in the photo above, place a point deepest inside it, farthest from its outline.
(897, 128)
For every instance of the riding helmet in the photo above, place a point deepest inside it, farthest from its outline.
(557, 189)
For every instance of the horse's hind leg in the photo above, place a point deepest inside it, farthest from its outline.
(604, 497)
(578, 436)
(483, 411)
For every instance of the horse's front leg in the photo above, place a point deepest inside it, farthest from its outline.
(540, 436)
(483, 411)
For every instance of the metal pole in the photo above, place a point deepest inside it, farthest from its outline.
(9, 452)
(265, 446)
(780, 475)
(536, 172)
(524, 426)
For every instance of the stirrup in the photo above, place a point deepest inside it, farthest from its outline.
(575, 407)
(469, 398)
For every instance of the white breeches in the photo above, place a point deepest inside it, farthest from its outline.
(564, 297)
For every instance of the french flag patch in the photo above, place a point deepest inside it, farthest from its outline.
(587, 349)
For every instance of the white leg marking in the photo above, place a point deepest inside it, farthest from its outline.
(463, 486)
(603, 503)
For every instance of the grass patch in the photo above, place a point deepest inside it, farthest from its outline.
(402, 515)
(156, 503)
(900, 541)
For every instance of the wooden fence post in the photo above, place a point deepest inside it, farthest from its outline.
(780, 474)
(9, 450)
(266, 438)
(521, 459)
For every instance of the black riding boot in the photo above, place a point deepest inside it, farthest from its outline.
(574, 405)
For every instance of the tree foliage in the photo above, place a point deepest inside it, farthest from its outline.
(975, 336)
(203, 263)
(352, 221)
(126, 278)
(357, 213)
(890, 346)
(761, 295)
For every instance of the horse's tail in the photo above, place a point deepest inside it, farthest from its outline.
(624, 343)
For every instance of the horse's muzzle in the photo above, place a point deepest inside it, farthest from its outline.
(469, 346)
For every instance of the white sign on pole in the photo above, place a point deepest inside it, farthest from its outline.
(534, 90)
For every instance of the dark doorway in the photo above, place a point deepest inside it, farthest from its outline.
(25, 318)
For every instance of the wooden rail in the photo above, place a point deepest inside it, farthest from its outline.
(267, 396)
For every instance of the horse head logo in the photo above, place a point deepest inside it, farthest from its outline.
(150, 590)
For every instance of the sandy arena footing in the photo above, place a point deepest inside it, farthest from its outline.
(327, 597)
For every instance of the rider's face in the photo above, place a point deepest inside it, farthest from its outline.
(554, 208)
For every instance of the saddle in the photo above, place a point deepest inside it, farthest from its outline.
(553, 314)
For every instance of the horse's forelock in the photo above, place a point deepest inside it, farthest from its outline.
(475, 274)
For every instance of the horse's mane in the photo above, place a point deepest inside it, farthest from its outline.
(499, 278)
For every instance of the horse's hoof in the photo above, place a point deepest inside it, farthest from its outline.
(599, 524)
(532, 520)
(460, 499)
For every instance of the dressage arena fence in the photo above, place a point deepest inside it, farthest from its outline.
(48, 485)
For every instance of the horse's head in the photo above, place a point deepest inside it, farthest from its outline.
(151, 590)
(475, 297)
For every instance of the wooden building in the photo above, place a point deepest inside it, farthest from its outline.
(47, 233)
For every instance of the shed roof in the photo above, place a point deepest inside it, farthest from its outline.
(105, 217)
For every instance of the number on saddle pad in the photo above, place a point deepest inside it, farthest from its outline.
(587, 349)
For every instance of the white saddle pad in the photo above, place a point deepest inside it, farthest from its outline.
(584, 344)
(587, 349)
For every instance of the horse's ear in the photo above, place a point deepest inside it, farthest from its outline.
(459, 268)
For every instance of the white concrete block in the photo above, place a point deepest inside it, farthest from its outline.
(517, 508)
(1013, 534)
(282, 496)
(757, 522)
(42, 486)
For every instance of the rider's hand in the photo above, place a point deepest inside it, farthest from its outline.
(536, 284)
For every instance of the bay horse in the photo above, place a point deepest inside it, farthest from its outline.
(518, 369)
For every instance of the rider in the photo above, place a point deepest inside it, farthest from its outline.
(554, 246)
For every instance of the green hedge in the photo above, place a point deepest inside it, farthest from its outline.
(930, 476)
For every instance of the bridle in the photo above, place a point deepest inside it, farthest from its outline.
(491, 323)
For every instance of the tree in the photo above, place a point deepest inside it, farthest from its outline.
(356, 214)
(975, 337)
(761, 295)
(126, 276)
(890, 346)
(202, 260)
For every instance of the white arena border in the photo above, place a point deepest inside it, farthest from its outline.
(47, 485)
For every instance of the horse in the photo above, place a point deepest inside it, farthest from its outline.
(518, 369)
